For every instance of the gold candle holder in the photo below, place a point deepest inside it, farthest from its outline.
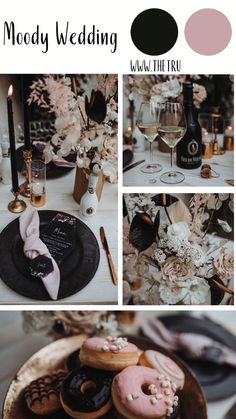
(17, 205)
(207, 150)
(24, 188)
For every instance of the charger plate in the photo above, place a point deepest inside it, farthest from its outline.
(218, 381)
(77, 270)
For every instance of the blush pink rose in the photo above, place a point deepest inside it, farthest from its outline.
(223, 264)
(176, 271)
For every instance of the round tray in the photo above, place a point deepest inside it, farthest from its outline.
(52, 171)
(53, 356)
(218, 381)
(76, 271)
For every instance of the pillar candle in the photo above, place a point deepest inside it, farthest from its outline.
(14, 174)
(26, 112)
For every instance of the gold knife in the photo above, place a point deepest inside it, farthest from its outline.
(109, 258)
(133, 165)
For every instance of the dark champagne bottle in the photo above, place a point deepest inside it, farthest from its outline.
(189, 149)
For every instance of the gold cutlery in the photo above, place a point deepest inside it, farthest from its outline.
(109, 258)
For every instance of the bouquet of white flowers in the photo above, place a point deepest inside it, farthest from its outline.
(169, 257)
(86, 126)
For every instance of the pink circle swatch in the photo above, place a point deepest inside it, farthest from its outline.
(208, 31)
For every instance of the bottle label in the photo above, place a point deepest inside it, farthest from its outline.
(190, 160)
(193, 147)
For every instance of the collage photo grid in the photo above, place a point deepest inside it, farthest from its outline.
(117, 235)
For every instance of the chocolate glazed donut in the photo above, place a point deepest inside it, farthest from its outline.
(73, 361)
(86, 393)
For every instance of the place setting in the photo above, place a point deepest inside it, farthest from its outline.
(178, 249)
(178, 130)
(49, 253)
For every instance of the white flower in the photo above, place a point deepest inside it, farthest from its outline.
(197, 292)
(197, 254)
(223, 264)
(194, 291)
(172, 295)
(109, 170)
(85, 144)
(159, 256)
(179, 230)
(73, 136)
(48, 153)
(62, 122)
(156, 100)
(131, 204)
(83, 162)
(171, 88)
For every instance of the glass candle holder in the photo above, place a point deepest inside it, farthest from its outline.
(228, 134)
(205, 121)
(38, 183)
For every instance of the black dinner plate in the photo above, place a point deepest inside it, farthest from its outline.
(218, 381)
(52, 171)
(127, 157)
(76, 271)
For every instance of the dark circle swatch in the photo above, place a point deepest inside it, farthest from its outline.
(154, 31)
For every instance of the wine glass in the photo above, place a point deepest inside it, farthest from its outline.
(172, 127)
(147, 122)
(19, 131)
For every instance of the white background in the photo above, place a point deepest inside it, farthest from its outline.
(112, 16)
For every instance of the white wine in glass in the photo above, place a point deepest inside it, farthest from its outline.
(147, 122)
(172, 129)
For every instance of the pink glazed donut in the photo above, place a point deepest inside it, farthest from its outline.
(139, 393)
(163, 365)
(111, 353)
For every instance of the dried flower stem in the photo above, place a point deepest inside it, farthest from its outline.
(222, 287)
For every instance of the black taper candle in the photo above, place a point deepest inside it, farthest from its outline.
(14, 174)
(25, 88)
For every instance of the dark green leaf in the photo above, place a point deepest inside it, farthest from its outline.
(217, 294)
(96, 108)
(142, 232)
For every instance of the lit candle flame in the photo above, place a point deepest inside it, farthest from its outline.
(10, 91)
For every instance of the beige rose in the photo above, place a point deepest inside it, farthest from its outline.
(156, 89)
(175, 270)
(223, 264)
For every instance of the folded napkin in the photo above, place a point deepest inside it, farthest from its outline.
(62, 162)
(192, 345)
(42, 264)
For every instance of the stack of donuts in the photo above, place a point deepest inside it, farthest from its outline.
(110, 373)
